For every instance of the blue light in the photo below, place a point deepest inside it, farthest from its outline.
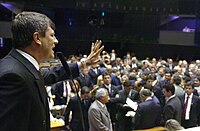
(1, 42)
(102, 13)
(9, 6)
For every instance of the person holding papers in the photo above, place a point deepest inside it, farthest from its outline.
(148, 113)
(124, 122)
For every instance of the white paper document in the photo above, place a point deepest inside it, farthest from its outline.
(132, 104)
(130, 114)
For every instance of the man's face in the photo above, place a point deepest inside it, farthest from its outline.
(189, 90)
(150, 81)
(47, 44)
(85, 72)
(197, 83)
(165, 93)
(105, 99)
(85, 96)
(107, 79)
(127, 89)
(168, 76)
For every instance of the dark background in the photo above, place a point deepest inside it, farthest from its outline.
(127, 25)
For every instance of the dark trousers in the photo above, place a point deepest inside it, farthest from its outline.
(188, 123)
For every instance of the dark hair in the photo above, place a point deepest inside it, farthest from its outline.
(148, 86)
(105, 74)
(151, 77)
(169, 87)
(145, 92)
(85, 90)
(177, 79)
(127, 83)
(190, 83)
(26, 24)
(141, 83)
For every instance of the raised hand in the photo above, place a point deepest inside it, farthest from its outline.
(94, 56)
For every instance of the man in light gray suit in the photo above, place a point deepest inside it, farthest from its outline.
(99, 118)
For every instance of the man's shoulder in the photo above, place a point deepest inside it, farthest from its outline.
(175, 101)
(146, 103)
(94, 106)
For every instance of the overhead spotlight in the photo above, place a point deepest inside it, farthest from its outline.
(95, 4)
(77, 4)
(157, 9)
(144, 8)
(117, 7)
(110, 6)
(83, 4)
(124, 7)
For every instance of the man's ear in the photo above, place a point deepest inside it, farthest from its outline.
(36, 38)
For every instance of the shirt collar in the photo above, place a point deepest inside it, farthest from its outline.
(102, 105)
(148, 98)
(107, 86)
(170, 97)
(29, 58)
(190, 96)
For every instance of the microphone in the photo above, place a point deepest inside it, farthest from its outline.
(64, 63)
(68, 71)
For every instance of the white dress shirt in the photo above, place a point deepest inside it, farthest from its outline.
(187, 113)
(29, 58)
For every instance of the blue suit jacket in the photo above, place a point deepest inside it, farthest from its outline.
(148, 115)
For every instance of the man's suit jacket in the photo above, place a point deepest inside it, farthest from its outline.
(111, 105)
(112, 92)
(125, 122)
(194, 112)
(85, 81)
(99, 118)
(115, 80)
(23, 97)
(148, 115)
(73, 105)
(173, 110)
(94, 75)
(58, 90)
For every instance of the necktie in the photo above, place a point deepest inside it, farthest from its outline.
(185, 106)
(66, 88)
(66, 91)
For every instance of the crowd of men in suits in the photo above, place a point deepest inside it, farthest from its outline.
(163, 89)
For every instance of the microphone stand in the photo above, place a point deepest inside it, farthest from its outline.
(68, 71)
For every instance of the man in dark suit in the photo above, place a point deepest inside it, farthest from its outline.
(94, 72)
(84, 79)
(148, 113)
(113, 92)
(75, 123)
(172, 108)
(190, 106)
(122, 108)
(23, 98)
(60, 90)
